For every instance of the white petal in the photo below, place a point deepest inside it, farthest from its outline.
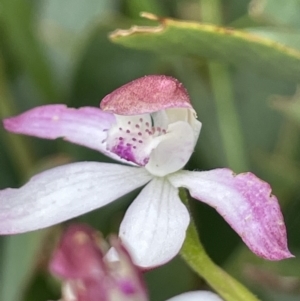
(65, 192)
(173, 151)
(196, 296)
(187, 115)
(154, 226)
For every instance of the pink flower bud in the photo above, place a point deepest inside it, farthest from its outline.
(87, 275)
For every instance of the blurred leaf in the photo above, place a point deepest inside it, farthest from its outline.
(135, 7)
(234, 9)
(267, 273)
(265, 277)
(277, 11)
(282, 172)
(223, 44)
(19, 262)
(65, 27)
(289, 38)
(16, 18)
(42, 288)
(20, 152)
(290, 106)
(74, 15)
(171, 279)
(104, 66)
(260, 124)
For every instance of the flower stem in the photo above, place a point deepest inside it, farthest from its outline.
(229, 123)
(226, 286)
(195, 256)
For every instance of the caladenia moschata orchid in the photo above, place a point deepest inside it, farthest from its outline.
(151, 125)
(87, 275)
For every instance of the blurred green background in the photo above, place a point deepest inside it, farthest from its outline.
(243, 85)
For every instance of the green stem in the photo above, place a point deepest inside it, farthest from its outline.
(18, 149)
(229, 123)
(195, 256)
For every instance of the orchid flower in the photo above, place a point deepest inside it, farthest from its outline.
(151, 125)
(87, 275)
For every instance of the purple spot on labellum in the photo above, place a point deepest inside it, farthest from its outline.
(124, 151)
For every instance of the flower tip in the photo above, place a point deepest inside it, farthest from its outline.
(147, 94)
(9, 124)
(286, 254)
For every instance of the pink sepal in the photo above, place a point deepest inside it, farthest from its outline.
(147, 94)
(246, 203)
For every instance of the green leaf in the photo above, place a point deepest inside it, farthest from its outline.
(207, 41)
(280, 12)
(289, 38)
(290, 106)
(66, 28)
(16, 18)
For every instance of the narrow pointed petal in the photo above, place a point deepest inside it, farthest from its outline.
(246, 203)
(147, 94)
(196, 296)
(86, 126)
(154, 226)
(65, 192)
